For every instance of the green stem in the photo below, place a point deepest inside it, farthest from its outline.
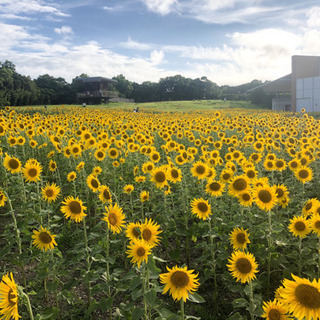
(28, 306)
(23, 188)
(144, 277)
(269, 253)
(300, 256)
(182, 308)
(251, 301)
(87, 257)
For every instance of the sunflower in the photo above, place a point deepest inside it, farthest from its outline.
(314, 223)
(226, 175)
(147, 167)
(73, 208)
(76, 150)
(238, 185)
(154, 156)
(80, 166)
(43, 239)
(242, 266)
(274, 310)
(96, 171)
(294, 165)
(144, 196)
(3, 198)
(114, 217)
(301, 298)
(269, 164)
(71, 176)
(201, 208)
(174, 174)
(239, 238)
(133, 231)
(304, 174)
(8, 298)
(52, 166)
(50, 192)
(199, 169)
(265, 197)
(299, 226)
(159, 177)
(99, 154)
(31, 171)
(140, 179)
(105, 194)
(215, 188)
(245, 198)
(138, 250)
(281, 192)
(128, 188)
(93, 183)
(12, 164)
(149, 232)
(251, 173)
(280, 164)
(180, 282)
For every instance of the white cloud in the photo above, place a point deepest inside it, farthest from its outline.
(131, 44)
(156, 57)
(162, 7)
(314, 17)
(64, 30)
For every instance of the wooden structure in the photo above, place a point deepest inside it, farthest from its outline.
(95, 90)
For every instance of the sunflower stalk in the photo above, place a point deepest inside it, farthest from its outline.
(269, 253)
(144, 280)
(300, 256)
(182, 308)
(26, 299)
(23, 188)
(251, 307)
(87, 256)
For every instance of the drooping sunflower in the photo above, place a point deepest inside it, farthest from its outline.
(12, 164)
(138, 251)
(159, 177)
(133, 231)
(180, 282)
(215, 188)
(128, 188)
(93, 182)
(114, 217)
(32, 171)
(199, 169)
(8, 298)
(71, 176)
(304, 174)
(144, 196)
(73, 208)
(105, 194)
(301, 298)
(80, 166)
(150, 231)
(281, 192)
(3, 198)
(239, 238)
(274, 310)
(315, 224)
(242, 266)
(238, 185)
(50, 192)
(201, 208)
(299, 226)
(310, 207)
(43, 239)
(265, 197)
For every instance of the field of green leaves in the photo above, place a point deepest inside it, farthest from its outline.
(110, 214)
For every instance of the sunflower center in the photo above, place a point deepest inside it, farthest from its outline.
(203, 207)
(141, 251)
(317, 224)
(106, 194)
(94, 183)
(160, 176)
(280, 193)
(113, 153)
(264, 196)
(100, 154)
(113, 219)
(246, 197)
(308, 206)
(49, 193)
(200, 169)
(135, 232)
(226, 176)
(179, 279)
(75, 150)
(155, 157)
(13, 164)
(303, 174)
(308, 296)
(174, 173)
(215, 186)
(12, 297)
(241, 237)
(240, 184)
(300, 226)
(45, 237)
(243, 265)
(33, 172)
(146, 234)
(274, 314)
(251, 174)
(75, 207)
(279, 164)
(255, 157)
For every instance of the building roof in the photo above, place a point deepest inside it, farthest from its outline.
(95, 79)
(282, 84)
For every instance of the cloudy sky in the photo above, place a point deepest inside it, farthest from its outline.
(229, 41)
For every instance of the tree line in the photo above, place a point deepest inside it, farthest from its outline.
(19, 90)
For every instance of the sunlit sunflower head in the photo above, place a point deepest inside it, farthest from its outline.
(174, 174)
(269, 165)
(280, 164)
(294, 165)
(80, 166)
(147, 167)
(93, 182)
(238, 185)
(299, 226)
(128, 188)
(50, 192)
(159, 177)
(43, 239)
(73, 208)
(281, 192)
(265, 197)
(180, 282)
(99, 154)
(315, 224)
(155, 156)
(3, 198)
(144, 196)
(310, 207)
(8, 298)
(274, 310)
(32, 171)
(251, 173)
(52, 166)
(226, 175)
(114, 217)
(76, 150)
(150, 232)
(200, 170)
(215, 188)
(12, 164)
(242, 266)
(105, 194)
(96, 171)
(133, 231)
(239, 238)
(140, 179)
(138, 251)
(71, 176)
(301, 298)
(201, 208)
(304, 174)
(245, 198)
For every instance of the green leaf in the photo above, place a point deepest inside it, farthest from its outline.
(135, 282)
(137, 313)
(151, 297)
(105, 304)
(240, 303)
(195, 297)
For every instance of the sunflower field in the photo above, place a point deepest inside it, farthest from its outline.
(109, 214)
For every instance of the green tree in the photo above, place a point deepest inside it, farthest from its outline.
(124, 86)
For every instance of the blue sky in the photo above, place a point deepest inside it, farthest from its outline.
(229, 41)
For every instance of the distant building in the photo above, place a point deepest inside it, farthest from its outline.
(299, 89)
(95, 90)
